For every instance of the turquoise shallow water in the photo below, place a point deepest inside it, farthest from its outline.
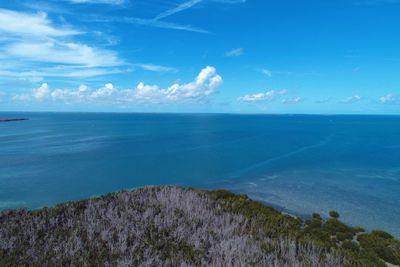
(299, 163)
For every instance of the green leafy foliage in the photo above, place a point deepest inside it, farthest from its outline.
(381, 244)
(334, 214)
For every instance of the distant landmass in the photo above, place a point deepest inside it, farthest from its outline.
(12, 119)
(172, 226)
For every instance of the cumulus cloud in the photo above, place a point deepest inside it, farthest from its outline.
(263, 96)
(42, 92)
(389, 99)
(204, 85)
(351, 99)
(234, 52)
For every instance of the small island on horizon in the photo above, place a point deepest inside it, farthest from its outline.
(174, 226)
(12, 119)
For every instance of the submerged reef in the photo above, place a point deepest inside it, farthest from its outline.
(172, 226)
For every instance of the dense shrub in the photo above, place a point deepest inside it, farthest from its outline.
(170, 226)
(334, 214)
(382, 244)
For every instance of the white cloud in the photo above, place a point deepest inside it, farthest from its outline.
(177, 9)
(42, 93)
(103, 93)
(234, 52)
(109, 2)
(158, 20)
(58, 71)
(265, 96)
(68, 96)
(153, 23)
(293, 100)
(351, 99)
(156, 68)
(282, 92)
(389, 99)
(191, 3)
(204, 85)
(21, 98)
(34, 25)
(266, 72)
(63, 53)
(35, 46)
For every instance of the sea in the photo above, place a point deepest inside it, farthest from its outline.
(300, 164)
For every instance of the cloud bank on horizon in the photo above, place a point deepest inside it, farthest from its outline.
(87, 54)
(204, 85)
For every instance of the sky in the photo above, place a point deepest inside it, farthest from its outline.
(222, 56)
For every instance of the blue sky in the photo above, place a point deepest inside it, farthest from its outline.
(239, 56)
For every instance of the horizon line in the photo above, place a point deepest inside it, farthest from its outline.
(206, 113)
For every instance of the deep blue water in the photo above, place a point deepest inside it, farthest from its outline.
(302, 164)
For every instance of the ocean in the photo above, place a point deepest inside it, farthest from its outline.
(298, 163)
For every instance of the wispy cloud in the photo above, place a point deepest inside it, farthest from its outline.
(177, 9)
(54, 51)
(191, 3)
(292, 100)
(156, 68)
(18, 24)
(204, 85)
(59, 72)
(389, 99)
(33, 47)
(236, 52)
(266, 72)
(351, 99)
(156, 24)
(159, 20)
(109, 2)
(263, 96)
(270, 73)
(48, 49)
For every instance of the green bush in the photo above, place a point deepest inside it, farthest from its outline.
(344, 236)
(350, 245)
(382, 234)
(386, 248)
(334, 214)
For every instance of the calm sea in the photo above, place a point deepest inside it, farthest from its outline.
(301, 164)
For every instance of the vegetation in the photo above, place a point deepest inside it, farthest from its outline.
(170, 226)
